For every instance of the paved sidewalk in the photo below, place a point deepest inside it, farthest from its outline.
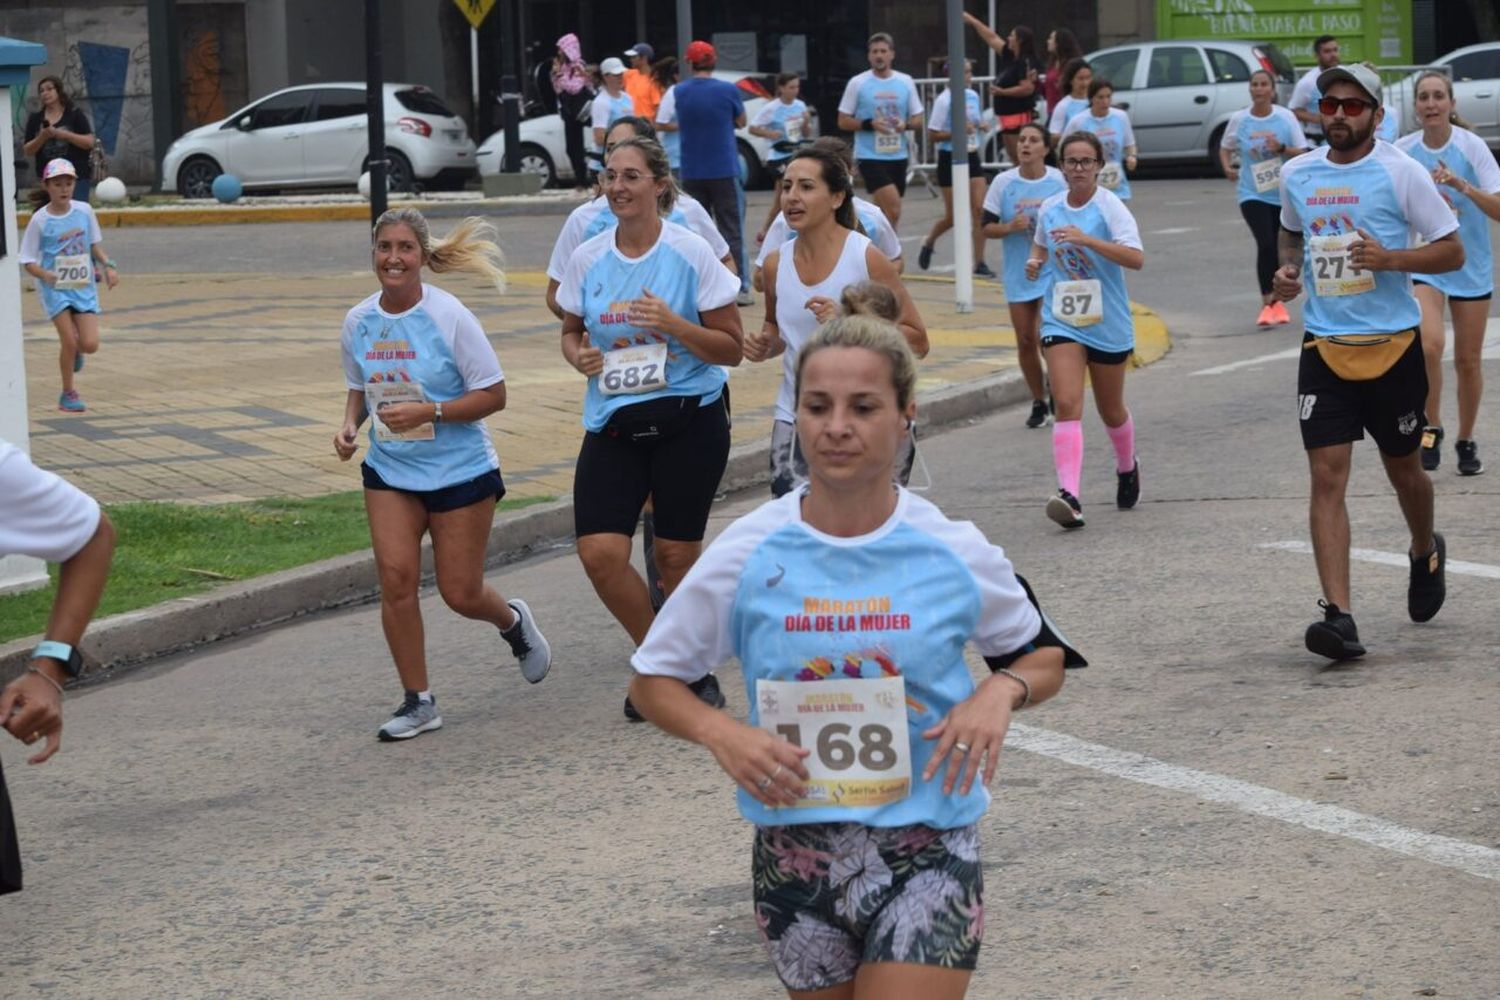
(228, 387)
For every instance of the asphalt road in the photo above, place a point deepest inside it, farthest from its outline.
(1206, 811)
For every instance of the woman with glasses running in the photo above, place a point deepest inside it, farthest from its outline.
(1265, 135)
(1469, 181)
(1085, 238)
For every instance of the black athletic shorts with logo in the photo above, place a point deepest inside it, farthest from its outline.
(1335, 410)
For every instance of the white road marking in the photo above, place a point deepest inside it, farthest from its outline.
(1173, 231)
(1489, 352)
(1393, 559)
(1475, 859)
(1290, 352)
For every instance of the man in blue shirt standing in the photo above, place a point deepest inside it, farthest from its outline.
(708, 112)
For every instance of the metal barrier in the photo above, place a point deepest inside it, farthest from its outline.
(923, 164)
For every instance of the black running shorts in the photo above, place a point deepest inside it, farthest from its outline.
(1334, 410)
(679, 470)
(945, 168)
(882, 173)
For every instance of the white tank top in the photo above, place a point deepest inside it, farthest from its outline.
(797, 322)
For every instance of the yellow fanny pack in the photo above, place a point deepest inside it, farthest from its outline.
(1362, 357)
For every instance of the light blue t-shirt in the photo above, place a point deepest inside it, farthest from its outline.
(1390, 125)
(1104, 217)
(671, 139)
(1011, 195)
(72, 234)
(594, 217)
(439, 346)
(1387, 194)
(1468, 157)
(599, 284)
(1114, 134)
(941, 115)
(1067, 109)
(1249, 136)
(892, 99)
(786, 119)
(797, 605)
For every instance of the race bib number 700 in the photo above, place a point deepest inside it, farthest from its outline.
(72, 270)
(856, 730)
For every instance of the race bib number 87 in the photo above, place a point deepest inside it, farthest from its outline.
(1078, 303)
(856, 730)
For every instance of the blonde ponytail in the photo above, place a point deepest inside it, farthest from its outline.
(470, 247)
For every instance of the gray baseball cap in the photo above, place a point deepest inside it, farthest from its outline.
(1360, 75)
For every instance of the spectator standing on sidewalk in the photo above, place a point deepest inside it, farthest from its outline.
(612, 103)
(48, 518)
(1016, 86)
(1062, 49)
(708, 112)
(570, 82)
(640, 83)
(59, 129)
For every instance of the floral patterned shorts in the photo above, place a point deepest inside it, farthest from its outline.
(830, 897)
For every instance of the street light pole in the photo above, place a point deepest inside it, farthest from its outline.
(958, 124)
(684, 27)
(375, 108)
(510, 87)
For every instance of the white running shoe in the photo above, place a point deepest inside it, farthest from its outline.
(413, 718)
(528, 644)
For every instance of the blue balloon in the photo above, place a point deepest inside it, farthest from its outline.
(227, 188)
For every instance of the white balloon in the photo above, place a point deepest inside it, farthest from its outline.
(364, 185)
(110, 190)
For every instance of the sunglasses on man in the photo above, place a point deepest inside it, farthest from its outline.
(1353, 106)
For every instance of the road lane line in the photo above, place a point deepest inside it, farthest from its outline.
(1393, 559)
(1475, 859)
(1290, 352)
(1173, 231)
(1489, 351)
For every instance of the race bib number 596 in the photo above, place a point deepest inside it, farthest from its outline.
(856, 730)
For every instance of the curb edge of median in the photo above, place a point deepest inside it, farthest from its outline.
(110, 218)
(116, 644)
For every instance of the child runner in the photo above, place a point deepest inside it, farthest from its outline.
(61, 244)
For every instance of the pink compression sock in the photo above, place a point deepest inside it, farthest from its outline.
(1123, 438)
(1067, 453)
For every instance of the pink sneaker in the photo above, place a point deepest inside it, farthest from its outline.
(1267, 317)
(1279, 315)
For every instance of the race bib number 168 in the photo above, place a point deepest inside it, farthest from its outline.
(856, 730)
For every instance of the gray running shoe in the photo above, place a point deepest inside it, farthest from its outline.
(528, 644)
(1065, 510)
(413, 718)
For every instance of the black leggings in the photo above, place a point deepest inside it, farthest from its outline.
(1265, 222)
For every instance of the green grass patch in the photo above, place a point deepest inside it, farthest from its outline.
(167, 550)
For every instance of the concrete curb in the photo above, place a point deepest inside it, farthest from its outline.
(228, 215)
(115, 644)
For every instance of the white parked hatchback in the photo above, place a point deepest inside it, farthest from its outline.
(316, 136)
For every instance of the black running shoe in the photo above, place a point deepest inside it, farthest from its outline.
(924, 257)
(707, 690)
(1432, 448)
(1335, 636)
(1468, 458)
(631, 712)
(1428, 587)
(1129, 490)
(1038, 414)
(982, 270)
(1065, 510)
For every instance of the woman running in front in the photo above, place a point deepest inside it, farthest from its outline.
(418, 362)
(1010, 210)
(1085, 237)
(1112, 127)
(1265, 135)
(649, 319)
(61, 249)
(938, 127)
(854, 599)
(804, 279)
(1468, 179)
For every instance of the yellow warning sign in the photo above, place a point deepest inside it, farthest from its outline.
(476, 10)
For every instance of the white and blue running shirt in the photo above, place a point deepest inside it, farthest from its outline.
(892, 99)
(797, 605)
(1387, 194)
(1114, 134)
(789, 120)
(671, 141)
(72, 234)
(1067, 109)
(941, 114)
(1390, 126)
(1305, 97)
(1468, 157)
(599, 284)
(1011, 195)
(1104, 217)
(1249, 136)
(877, 227)
(439, 345)
(594, 217)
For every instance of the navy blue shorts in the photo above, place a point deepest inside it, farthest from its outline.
(488, 486)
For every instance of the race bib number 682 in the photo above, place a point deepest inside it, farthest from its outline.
(634, 370)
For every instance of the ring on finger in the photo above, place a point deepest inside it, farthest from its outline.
(961, 746)
(764, 782)
(776, 772)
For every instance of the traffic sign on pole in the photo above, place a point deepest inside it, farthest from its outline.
(475, 10)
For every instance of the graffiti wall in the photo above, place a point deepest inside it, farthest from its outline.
(103, 57)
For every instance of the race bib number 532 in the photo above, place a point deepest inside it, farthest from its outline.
(634, 370)
(856, 730)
